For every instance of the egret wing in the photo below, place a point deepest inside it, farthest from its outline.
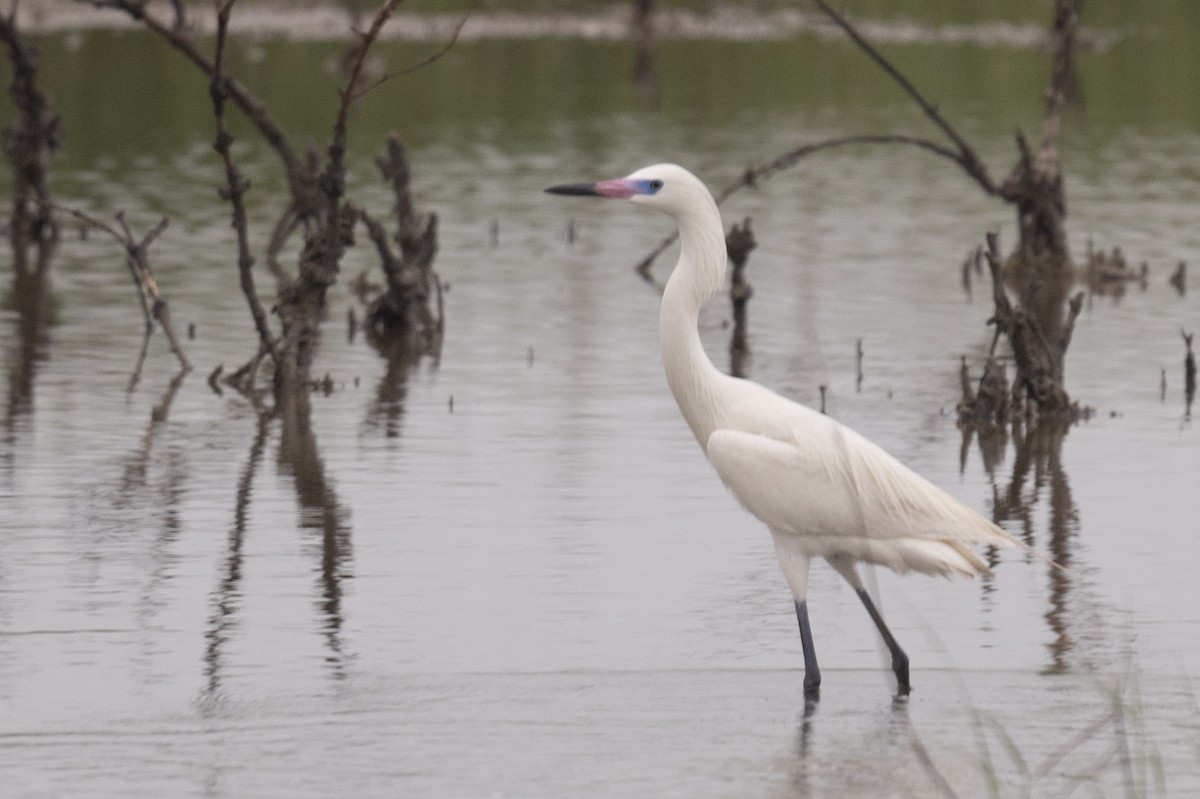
(793, 488)
(804, 473)
(897, 501)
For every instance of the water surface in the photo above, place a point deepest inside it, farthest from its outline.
(510, 572)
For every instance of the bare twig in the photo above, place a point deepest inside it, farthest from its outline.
(756, 175)
(1066, 24)
(337, 149)
(180, 38)
(284, 227)
(965, 156)
(143, 276)
(235, 185)
(420, 64)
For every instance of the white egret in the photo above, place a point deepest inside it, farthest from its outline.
(821, 488)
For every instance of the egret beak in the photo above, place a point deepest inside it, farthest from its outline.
(620, 189)
(575, 189)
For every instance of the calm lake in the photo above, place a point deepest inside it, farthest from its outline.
(510, 572)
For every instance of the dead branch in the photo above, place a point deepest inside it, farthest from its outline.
(1038, 358)
(318, 192)
(739, 241)
(300, 173)
(417, 242)
(403, 308)
(990, 404)
(420, 64)
(1179, 278)
(137, 258)
(302, 303)
(753, 176)
(235, 185)
(858, 364)
(301, 213)
(1189, 373)
(1066, 25)
(1035, 185)
(300, 182)
(337, 148)
(962, 153)
(393, 167)
(965, 155)
(285, 226)
(29, 144)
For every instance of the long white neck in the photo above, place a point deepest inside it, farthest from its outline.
(699, 275)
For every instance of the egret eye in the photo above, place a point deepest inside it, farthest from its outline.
(656, 184)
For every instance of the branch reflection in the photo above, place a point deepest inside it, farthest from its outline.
(228, 593)
(160, 498)
(133, 476)
(1037, 475)
(32, 299)
(320, 511)
(402, 355)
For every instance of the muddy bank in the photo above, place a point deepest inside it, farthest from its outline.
(328, 22)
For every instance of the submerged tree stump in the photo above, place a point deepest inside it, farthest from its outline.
(403, 309)
(29, 145)
(1038, 353)
(1189, 374)
(738, 244)
(990, 404)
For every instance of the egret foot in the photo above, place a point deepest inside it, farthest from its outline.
(900, 669)
(899, 659)
(812, 672)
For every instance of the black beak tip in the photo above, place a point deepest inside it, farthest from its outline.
(575, 190)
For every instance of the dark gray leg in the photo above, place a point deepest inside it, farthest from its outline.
(899, 659)
(812, 674)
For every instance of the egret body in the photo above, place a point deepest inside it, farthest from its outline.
(822, 490)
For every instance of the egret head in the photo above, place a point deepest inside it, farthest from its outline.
(664, 187)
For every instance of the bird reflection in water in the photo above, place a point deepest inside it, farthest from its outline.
(897, 743)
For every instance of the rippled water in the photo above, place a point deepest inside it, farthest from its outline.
(511, 573)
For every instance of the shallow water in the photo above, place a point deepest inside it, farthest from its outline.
(510, 572)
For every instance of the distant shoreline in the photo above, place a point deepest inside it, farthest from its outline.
(330, 23)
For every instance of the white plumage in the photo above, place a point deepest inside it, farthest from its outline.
(821, 488)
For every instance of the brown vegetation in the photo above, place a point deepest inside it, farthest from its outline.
(138, 259)
(318, 206)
